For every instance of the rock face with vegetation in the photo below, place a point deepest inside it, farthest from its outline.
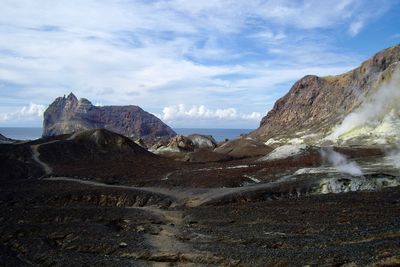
(68, 115)
(316, 105)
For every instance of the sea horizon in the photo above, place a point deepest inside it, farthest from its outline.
(219, 134)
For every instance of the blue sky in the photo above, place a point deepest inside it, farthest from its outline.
(214, 64)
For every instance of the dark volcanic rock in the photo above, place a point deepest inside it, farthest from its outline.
(243, 148)
(95, 154)
(68, 115)
(205, 155)
(5, 140)
(316, 104)
(102, 154)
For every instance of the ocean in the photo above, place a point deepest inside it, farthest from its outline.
(31, 133)
(22, 133)
(218, 134)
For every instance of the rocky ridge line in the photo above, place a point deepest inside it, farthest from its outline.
(315, 105)
(68, 115)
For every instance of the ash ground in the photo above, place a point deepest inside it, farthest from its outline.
(127, 207)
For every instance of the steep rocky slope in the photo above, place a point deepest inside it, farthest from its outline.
(314, 106)
(68, 115)
(96, 154)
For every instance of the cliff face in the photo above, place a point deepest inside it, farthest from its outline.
(68, 114)
(315, 105)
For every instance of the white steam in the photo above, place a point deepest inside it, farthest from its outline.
(372, 112)
(340, 162)
(394, 157)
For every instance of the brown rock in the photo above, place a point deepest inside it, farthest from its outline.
(316, 104)
(243, 148)
(68, 115)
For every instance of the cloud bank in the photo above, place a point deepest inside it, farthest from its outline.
(26, 113)
(181, 112)
(161, 53)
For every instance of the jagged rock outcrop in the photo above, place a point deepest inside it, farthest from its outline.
(315, 105)
(68, 115)
(183, 144)
(176, 144)
(203, 141)
(193, 148)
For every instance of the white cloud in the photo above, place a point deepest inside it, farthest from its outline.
(395, 36)
(270, 37)
(31, 112)
(181, 112)
(159, 53)
(355, 27)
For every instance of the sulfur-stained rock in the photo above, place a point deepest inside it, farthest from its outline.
(314, 106)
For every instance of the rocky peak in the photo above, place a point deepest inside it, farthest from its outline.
(84, 105)
(72, 98)
(314, 105)
(68, 115)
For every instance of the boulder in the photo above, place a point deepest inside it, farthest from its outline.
(203, 141)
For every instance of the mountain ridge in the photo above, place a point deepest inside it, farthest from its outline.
(68, 115)
(315, 105)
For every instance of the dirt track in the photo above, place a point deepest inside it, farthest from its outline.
(66, 222)
(112, 208)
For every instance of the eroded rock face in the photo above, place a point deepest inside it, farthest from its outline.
(184, 144)
(203, 141)
(176, 144)
(314, 105)
(68, 115)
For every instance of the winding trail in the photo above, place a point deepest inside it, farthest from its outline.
(36, 157)
(190, 197)
(171, 244)
(167, 244)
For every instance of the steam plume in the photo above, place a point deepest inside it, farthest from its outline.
(340, 162)
(386, 99)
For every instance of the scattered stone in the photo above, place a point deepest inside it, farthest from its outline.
(123, 245)
(140, 229)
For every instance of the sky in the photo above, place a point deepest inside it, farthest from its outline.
(194, 64)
